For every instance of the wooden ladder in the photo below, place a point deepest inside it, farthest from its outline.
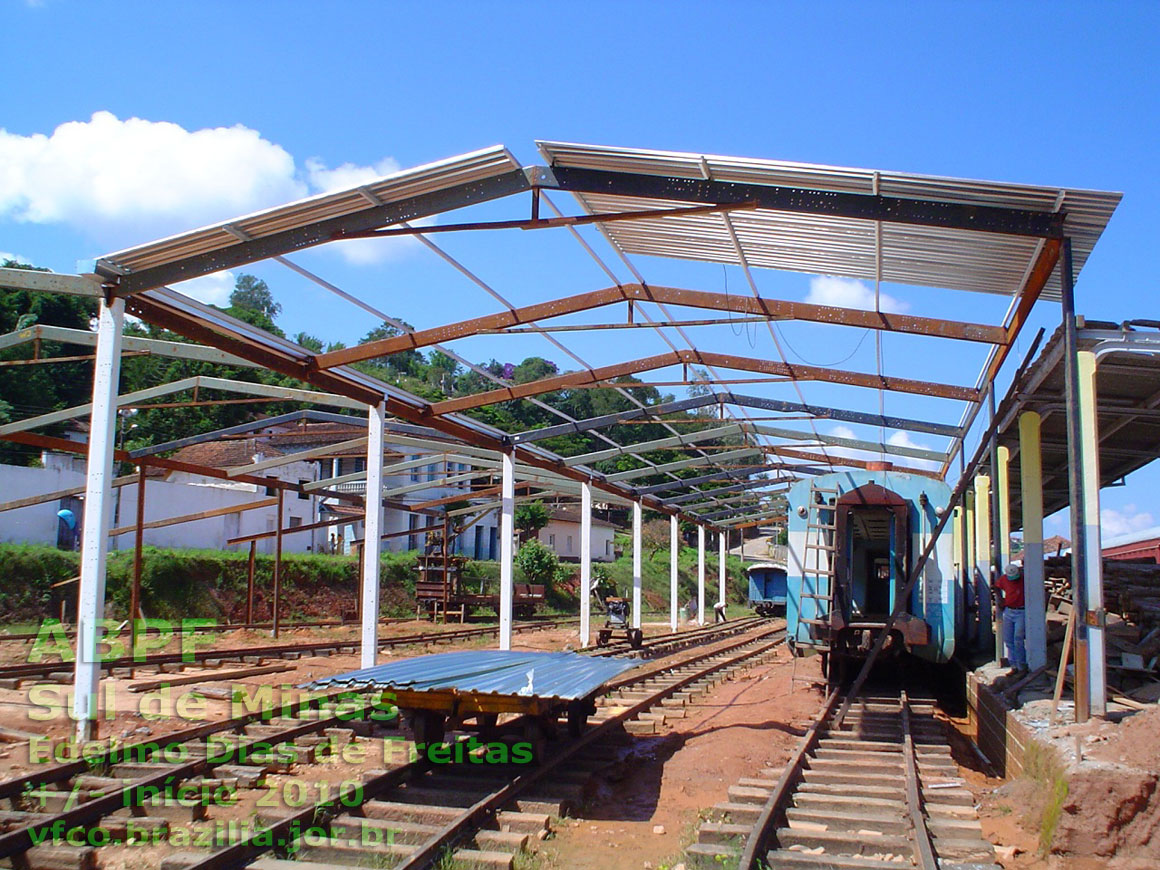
(817, 575)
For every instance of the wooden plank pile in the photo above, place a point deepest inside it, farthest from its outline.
(1132, 601)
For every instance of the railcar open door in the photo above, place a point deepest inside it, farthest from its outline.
(873, 528)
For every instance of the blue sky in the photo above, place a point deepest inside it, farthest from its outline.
(1042, 93)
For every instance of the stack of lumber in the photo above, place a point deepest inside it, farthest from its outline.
(1132, 602)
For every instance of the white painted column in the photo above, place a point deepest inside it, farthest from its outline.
(506, 549)
(98, 504)
(585, 563)
(636, 581)
(674, 550)
(372, 535)
(721, 567)
(1089, 447)
(1031, 494)
(701, 575)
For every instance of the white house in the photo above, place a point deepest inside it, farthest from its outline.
(179, 493)
(562, 534)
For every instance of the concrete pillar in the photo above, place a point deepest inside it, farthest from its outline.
(1003, 521)
(1093, 555)
(1031, 494)
(98, 502)
(636, 579)
(969, 588)
(701, 575)
(585, 563)
(982, 573)
(721, 567)
(674, 550)
(372, 537)
(507, 531)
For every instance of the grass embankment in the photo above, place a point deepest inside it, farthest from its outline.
(212, 583)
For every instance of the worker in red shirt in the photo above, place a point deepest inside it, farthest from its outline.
(1009, 589)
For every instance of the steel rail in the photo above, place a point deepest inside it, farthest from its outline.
(240, 854)
(753, 855)
(33, 669)
(133, 794)
(923, 848)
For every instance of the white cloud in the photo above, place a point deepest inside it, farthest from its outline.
(903, 439)
(347, 175)
(212, 289)
(897, 439)
(1120, 522)
(850, 293)
(111, 178)
(16, 258)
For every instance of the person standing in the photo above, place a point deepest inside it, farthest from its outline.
(1009, 587)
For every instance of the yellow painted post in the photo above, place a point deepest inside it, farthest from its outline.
(982, 575)
(1031, 493)
(969, 566)
(1093, 608)
(1003, 486)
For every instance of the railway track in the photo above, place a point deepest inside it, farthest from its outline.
(409, 815)
(670, 642)
(874, 791)
(124, 665)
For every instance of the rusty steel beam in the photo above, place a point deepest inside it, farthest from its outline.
(771, 308)
(538, 223)
(155, 311)
(839, 459)
(682, 357)
(1040, 274)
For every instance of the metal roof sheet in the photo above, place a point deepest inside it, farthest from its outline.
(831, 245)
(431, 177)
(493, 672)
(1127, 399)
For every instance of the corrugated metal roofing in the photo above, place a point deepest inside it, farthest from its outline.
(494, 672)
(431, 177)
(825, 245)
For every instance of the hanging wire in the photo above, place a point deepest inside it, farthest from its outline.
(743, 326)
(846, 358)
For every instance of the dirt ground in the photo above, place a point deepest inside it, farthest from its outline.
(668, 780)
(1107, 773)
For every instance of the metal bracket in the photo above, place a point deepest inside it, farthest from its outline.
(540, 176)
(1096, 618)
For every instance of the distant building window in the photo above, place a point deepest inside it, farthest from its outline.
(608, 548)
(295, 522)
(569, 550)
(305, 496)
(551, 540)
(416, 475)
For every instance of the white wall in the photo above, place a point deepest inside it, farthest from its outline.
(556, 534)
(38, 523)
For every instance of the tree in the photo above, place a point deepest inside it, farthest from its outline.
(29, 390)
(539, 563)
(655, 535)
(308, 341)
(253, 294)
(530, 517)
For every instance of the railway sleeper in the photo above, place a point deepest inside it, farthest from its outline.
(811, 800)
(723, 834)
(820, 818)
(740, 813)
(791, 860)
(712, 855)
(866, 841)
(60, 858)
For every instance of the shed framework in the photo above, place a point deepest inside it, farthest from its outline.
(1024, 242)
